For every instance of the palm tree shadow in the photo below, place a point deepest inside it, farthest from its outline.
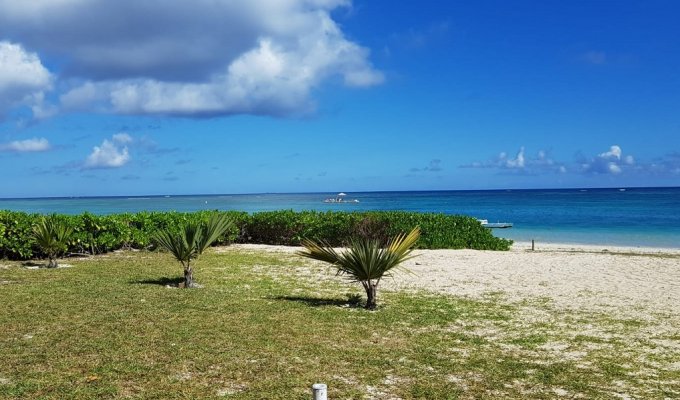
(164, 281)
(352, 301)
(26, 264)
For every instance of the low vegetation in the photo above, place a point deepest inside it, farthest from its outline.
(51, 235)
(269, 325)
(191, 240)
(366, 261)
(97, 234)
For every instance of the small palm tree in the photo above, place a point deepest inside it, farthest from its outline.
(191, 240)
(52, 235)
(365, 261)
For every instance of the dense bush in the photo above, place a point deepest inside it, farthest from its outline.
(94, 234)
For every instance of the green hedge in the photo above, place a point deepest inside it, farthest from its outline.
(94, 234)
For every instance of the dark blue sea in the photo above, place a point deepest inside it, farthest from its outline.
(629, 217)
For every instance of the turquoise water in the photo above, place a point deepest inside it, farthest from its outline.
(630, 217)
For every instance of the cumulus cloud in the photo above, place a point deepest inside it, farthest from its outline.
(513, 163)
(541, 162)
(613, 153)
(122, 138)
(23, 78)
(609, 162)
(112, 153)
(193, 58)
(26, 146)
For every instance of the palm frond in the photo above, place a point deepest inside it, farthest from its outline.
(319, 251)
(212, 229)
(402, 245)
(365, 259)
(52, 234)
(193, 237)
(176, 243)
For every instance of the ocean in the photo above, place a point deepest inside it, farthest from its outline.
(617, 217)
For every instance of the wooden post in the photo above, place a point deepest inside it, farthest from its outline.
(319, 391)
(532, 245)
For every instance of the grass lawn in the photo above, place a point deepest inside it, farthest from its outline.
(264, 327)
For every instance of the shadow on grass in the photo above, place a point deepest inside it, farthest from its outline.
(352, 301)
(164, 281)
(27, 264)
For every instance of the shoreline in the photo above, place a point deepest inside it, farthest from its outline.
(593, 248)
(517, 246)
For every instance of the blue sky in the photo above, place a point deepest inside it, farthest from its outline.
(122, 98)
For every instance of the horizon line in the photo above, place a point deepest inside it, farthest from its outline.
(326, 192)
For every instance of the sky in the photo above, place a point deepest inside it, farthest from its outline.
(101, 98)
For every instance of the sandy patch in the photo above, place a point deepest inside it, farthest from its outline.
(571, 279)
(638, 281)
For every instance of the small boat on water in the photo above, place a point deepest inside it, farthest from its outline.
(501, 225)
(340, 198)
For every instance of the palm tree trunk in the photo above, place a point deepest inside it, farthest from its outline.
(372, 294)
(188, 277)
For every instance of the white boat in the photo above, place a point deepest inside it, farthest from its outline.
(340, 198)
(335, 200)
(485, 223)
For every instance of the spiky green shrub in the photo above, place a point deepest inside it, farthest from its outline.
(366, 261)
(52, 234)
(190, 240)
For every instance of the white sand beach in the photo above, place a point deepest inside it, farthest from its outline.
(626, 281)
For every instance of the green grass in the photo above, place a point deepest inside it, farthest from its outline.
(264, 326)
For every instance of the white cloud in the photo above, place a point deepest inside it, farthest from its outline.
(521, 163)
(613, 153)
(122, 138)
(23, 78)
(609, 162)
(517, 162)
(198, 57)
(111, 154)
(25, 146)
(80, 97)
(613, 168)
